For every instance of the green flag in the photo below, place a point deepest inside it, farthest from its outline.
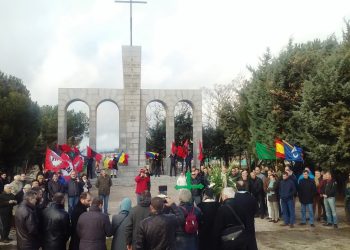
(265, 153)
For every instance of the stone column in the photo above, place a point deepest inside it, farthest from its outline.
(92, 125)
(132, 102)
(62, 120)
(143, 127)
(170, 135)
(197, 130)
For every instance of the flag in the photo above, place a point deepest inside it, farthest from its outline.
(200, 150)
(186, 147)
(293, 153)
(279, 149)
(265, 153)
(54, 162)
(92, 154)
(78, 163)
(173, 148)
(122, 158)
(181, 152)
(151, 155)
(65, 148)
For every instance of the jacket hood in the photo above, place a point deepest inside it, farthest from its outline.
(125, 205)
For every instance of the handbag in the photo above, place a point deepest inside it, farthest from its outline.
(232, 232)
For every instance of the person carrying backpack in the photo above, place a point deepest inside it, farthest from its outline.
(187, 233)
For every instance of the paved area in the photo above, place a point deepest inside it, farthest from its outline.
(269, 235)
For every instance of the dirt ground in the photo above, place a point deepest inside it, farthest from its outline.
(269, 235)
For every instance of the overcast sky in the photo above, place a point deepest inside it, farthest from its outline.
(53, 44)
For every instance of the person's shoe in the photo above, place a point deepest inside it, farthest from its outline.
(270, 220)
(291, 225)
(262, 217)
(302, 224)
(312, 225)
(5, 241)
(284, 225)
(327, 224)
(275, 221)
(335, 226)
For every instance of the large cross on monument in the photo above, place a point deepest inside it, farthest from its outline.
(132, 102)
(130, 2)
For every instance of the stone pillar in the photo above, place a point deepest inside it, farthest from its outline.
(62, 120)
(170, 135)
(132, 101)
(92, 126)
(143, 127)
(197, 130)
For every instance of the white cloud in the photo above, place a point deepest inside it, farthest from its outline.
(185, 44)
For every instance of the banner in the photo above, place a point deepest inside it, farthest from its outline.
(279, 149)
(293, 153)
(54, 162)
(265, 153)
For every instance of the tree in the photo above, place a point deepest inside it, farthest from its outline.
(19, 121)
(77, 128)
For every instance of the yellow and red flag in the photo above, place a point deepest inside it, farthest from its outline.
(279, 149)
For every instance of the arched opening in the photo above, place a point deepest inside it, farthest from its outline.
(78, 124)
(184, 133)
(107, 127)
(156, 136)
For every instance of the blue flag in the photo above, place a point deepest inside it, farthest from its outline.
(293, 153)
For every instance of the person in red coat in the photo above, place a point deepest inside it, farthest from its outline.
(142, 181)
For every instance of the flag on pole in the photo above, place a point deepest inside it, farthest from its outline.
(78, 163)
(279, 149)
(54, 162)
(200, 150)
(264, 152)
(151, 155)
(173, 148)
(93, 154)
(181, 152)
(293, 153)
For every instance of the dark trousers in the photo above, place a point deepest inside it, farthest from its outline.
(6, 225)
(261, 204)
(89, 171)
(171, 170)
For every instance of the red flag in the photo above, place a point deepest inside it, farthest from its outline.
(126, 159)
(200, 150)
(173, 148)
(65, 148)
(78, 163)
(92, 154)
(54, 162)
(181, 152)
(186, 147)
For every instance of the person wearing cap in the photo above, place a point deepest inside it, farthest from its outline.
(20, 194)
(7, 201)
(142, 182)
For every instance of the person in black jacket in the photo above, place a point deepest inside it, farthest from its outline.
(209, 207)
(149, 236)
(329, 191)
(82, 206)
(306, 192)
(26, 221)
(54, 186)
(7, 201)
(245, 206)
(74, 189)
(56, 224)
(257, 190)
(286, 192)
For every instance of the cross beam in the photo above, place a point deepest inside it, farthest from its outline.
(130, 2)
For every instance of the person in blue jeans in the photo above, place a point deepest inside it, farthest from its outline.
(74, 189)
(104, 184)
(329, 192)
(287, 191)
(306, 192)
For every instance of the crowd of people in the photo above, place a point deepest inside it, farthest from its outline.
(201, 220)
